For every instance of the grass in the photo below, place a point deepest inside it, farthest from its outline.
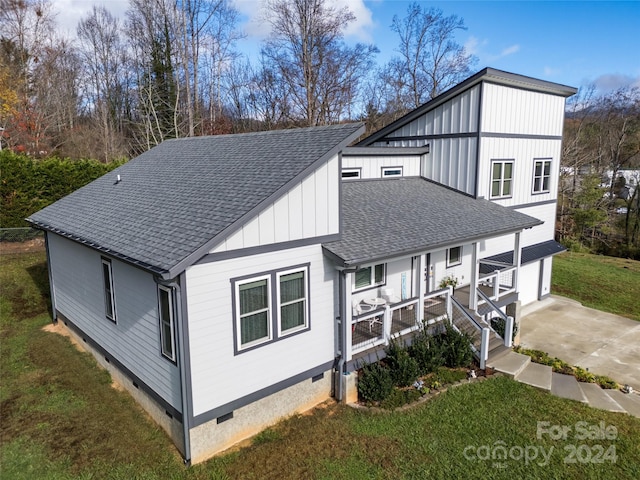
(605, 283)
(61, 419)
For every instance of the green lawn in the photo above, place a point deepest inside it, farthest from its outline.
(61, 419)
(604, 283)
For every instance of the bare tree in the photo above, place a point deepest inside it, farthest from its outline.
(306, 48)
(430, 59)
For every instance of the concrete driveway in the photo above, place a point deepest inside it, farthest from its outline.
(604, 343)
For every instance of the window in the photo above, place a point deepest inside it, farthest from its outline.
(501, 178)
(454, 256)
(253, 307)
(391, 172)
(370, 276)
(167, 335)
(292, 297)
(351, 173)
(541, 176)
(271, 306)
(109, 295)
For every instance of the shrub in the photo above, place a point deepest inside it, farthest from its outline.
(499, 325)
(606, 382)
(448, 376)
(583, 375)
(428, 353)
(400, 397)
(403, 368)
(374, 382)
(456, 347)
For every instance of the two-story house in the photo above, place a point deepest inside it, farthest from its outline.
(229, 281)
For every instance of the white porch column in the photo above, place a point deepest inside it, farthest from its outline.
(423, 278)
(475, 274)
(346, 321)
(516, 262)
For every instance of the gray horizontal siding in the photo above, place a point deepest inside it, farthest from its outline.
(135, 340)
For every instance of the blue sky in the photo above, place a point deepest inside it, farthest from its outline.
(569, 42)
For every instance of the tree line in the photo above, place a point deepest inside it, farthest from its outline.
(171, 68)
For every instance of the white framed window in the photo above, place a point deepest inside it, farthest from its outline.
(293, 302)
(454, 256)
(109, 294)
(391, 172)
(501, 178)
(351, 173)
(253, 300)
(367, 277)
(541, 176)
(167, 327)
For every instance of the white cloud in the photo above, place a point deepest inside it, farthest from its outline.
(550, 71)
(509, 50)
(70, 12)
(479, 48)
(360, 29)
(613, 81)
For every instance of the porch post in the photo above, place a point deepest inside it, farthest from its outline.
(475, 270)
(450, 303)
(484, 347)
(423, 277)
(516, 263)
(347, 318)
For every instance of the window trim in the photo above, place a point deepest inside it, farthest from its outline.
(279, 305)
(372, 278)
(273, 282)
(356, 170)
(503, 162)
(384, 170)
(108, 291)
(238, 316)
(172, 326)
(543, 161)
(459, 261)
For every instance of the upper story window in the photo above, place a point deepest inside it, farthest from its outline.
(370, 276)
(454, 256)
(542, 176)
(501, 178)
(167, 331)
(351, 173)
(391, 172)
(109, 294)
(271, 306)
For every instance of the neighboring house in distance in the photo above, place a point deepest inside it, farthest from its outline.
(230, 281)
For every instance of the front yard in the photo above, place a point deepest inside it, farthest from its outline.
(62, 419)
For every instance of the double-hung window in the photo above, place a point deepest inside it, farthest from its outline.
(109, 294)
(541, 176)
(254, 299)
(167, 327)
(292, 298)
(501, 178)
(370, 276)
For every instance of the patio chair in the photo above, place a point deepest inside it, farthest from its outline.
(360, 308)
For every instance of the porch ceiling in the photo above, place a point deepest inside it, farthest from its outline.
(393, 217)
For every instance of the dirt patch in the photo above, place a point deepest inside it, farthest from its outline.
(33, 245)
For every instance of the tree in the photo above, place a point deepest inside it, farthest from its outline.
(306, 49)
(430, 59)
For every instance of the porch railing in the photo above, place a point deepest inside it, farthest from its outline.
(480, 335)
(494, 311)
(377, 327)
(500, 282)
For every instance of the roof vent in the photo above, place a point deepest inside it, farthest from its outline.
(117, 180)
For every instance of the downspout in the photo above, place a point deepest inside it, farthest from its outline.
(344, 326)
(178, 309)
(52, 291)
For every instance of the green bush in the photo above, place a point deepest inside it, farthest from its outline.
(583, 375)
(456, 347)
(428, 352)
(606, 382)
(400, 397)
(374, 382)
(499, 325)
(403, 368)
(447, 376)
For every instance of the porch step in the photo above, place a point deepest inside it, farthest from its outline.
(510, 363)
(536, 375)
(566, 386)
(629, 401)
(598, 398)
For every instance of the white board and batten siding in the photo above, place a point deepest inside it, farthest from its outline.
(371, 167)
(309, 209)
(517, 111)
(452, 162)
(135, 339)
(218, 375)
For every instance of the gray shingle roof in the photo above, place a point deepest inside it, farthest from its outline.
(175, 198)
(385, 218)
(529, 254)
